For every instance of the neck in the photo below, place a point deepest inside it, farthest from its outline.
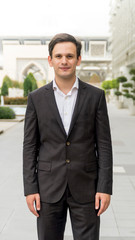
(65, 85)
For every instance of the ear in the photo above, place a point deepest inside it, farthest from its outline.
(79, 61)
(50, 61)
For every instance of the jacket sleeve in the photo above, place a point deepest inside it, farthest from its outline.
(30, 149)
(104, 148)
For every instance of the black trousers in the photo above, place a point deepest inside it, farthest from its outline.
(84, 220)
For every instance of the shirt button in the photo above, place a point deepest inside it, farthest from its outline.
(67, 143)
(67, 161)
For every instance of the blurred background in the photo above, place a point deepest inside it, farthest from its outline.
(106, 29)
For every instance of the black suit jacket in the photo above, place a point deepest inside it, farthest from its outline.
(51, 159)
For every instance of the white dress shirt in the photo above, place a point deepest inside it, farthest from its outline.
(66, 103)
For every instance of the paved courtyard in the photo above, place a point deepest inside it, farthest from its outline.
(118, 223)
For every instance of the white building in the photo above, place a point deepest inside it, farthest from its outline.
(122, 24)
(21, 55)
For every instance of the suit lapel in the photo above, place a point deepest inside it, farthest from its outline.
(77, 108)
(53, 106)
(78, 105)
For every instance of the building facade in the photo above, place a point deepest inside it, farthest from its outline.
(21, 55)
(122, 24)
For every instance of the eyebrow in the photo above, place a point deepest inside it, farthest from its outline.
(72, 54)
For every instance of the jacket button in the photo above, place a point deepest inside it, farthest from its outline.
(68, 143)
(67, 161)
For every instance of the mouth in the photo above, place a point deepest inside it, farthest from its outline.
(64, 68)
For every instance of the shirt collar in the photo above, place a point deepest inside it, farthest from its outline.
(76, 85)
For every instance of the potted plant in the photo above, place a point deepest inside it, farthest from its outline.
(126, 93)
(118, 93)
(132, 92)
(106, 85)
(119, 103)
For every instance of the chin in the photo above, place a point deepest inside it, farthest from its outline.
(66, 76)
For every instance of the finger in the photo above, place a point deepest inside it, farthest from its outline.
(38, 203)
(31, 208)
(106, 205)
(97, 201)
(102, 208)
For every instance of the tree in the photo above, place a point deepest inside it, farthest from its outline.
(12, 83)
(27, 86)
(132, 71)
(4, 89)
(30, 84)
(132, 95)
(8, 81)
(121, 79)
(106, 85)
(33, 80)
(114, 84)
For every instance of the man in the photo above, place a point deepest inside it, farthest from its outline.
(67, 149)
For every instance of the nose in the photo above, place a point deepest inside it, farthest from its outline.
(64, 60)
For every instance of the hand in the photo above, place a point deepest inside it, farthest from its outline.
(30, 199)
(102, 201)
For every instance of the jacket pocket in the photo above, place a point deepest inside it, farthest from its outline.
(44, 166)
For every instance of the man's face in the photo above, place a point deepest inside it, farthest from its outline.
(64, 60)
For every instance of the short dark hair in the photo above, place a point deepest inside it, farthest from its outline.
(64, 37)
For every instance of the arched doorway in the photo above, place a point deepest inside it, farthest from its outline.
(37, 70)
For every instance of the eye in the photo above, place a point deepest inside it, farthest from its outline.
(58, 56)
(70, 56)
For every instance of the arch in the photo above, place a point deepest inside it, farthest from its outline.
(32, 64)
(95, 77)
(87, 69)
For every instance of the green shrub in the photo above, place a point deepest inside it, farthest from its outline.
(15, 101)
(125, 90)
(8, 81)
(118, 93)
(12, 83)
(121, 79)
(6, 113)
(114, 84)
(106, 85)
(4, 89)
(127, 85)
(127, 95)
(133, 78)
(27, 86)
(133, 91)
(30, 84)
(132, 71)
